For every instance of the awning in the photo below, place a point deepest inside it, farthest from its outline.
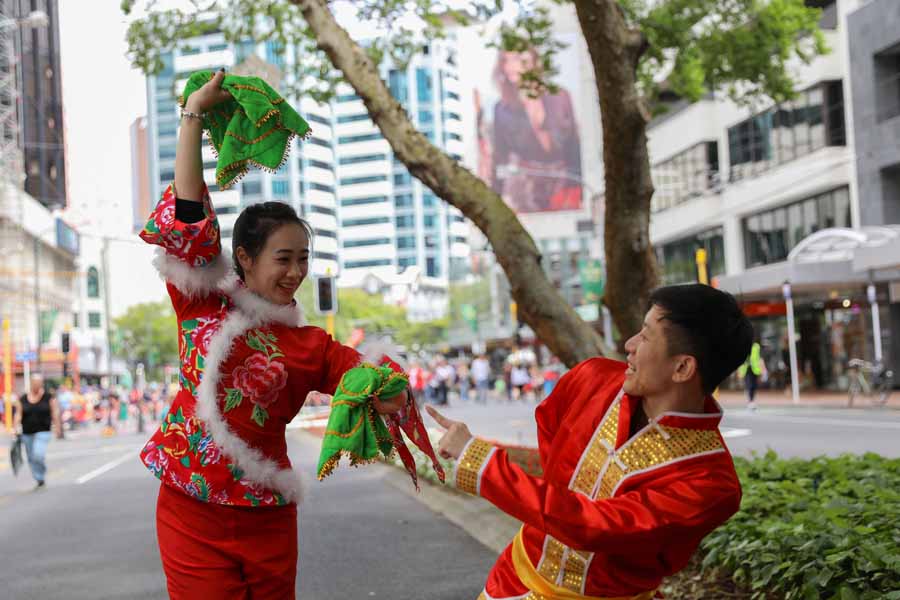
(831, 257)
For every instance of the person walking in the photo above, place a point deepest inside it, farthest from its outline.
(226, 515)
(751, 371)
(481, 375)
(36, 414)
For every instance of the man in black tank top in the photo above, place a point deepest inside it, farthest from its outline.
(36, 413)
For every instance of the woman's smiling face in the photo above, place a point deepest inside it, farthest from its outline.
(281, 266)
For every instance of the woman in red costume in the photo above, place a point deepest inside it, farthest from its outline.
(635, 471)
(227, 510)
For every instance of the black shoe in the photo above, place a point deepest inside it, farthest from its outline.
(40, 485)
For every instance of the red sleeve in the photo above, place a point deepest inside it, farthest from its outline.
(190, 258)
(340, 358)
(700, 499)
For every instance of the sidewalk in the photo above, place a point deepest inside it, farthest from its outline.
(808, 399)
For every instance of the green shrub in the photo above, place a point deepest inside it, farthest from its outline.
(822, 528)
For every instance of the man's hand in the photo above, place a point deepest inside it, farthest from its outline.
(456, 438)
(209, 94)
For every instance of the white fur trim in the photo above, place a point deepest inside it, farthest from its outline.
(257, 308)
(192, 281)
(373, 351)
(256, 467)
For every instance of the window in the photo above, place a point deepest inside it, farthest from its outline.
(325, 233)
(769, 236)
(353, 118)
(321, 165)
(430, 221)
(251, 187)
(93, 282)
(432, 268)
(366, 242)
(452, 95)
(887, 83)
(359, 264)
(787, 131)
(429, 200)
(347, 98)
(94, 320)
(401, 179)
(459, 239)
(686, 175)
(75, 320)
(403, 201)
(218, 47)
(452, 116)
(227, 210)
(318, 119)
(322, 210)
(365, 221)
(405, 221)
(397, 84)
(325, 256)
(423, 85)
(190, 51)
(365, 179)
(406, 242)
(363, 158)
(425, 117)
(454, 136)
(321, 187)
(319, 142)
(364, 200)
(406, 261)
(166, 177)
(280, 188)
(678, 258)
(275, 53)
(365, 137)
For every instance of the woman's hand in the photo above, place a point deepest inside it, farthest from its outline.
(389, 406)
(209, 95)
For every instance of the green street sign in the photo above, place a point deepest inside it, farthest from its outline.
(590, 271)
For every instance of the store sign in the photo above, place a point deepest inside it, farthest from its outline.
(590, 272)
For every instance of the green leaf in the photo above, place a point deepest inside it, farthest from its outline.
(186, 461)
(259, 415)
(233, 398)
(255, 343)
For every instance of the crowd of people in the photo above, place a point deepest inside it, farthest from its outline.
(516, 376)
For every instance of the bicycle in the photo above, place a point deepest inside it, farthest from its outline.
(873, 380)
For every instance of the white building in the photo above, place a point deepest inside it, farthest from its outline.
(748, 185)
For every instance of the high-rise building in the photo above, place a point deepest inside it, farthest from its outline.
(39, 106)
(389, 220)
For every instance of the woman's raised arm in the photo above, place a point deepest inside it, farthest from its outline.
(188, 160)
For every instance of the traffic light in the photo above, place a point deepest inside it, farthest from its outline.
(326, 298)
(65, 343)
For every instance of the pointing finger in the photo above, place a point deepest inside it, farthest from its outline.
(441, 419)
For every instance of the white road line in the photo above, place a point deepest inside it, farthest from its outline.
(734, 432)
(823, 421)
(104, 468)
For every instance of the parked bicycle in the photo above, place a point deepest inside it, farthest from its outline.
(872, 380)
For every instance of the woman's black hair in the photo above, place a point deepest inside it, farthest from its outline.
(256, 223)
(707, 324)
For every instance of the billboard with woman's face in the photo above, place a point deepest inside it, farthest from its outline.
(529, 150)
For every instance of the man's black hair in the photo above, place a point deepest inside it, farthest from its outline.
(707, 324)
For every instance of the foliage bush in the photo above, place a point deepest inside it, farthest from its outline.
(822, 528)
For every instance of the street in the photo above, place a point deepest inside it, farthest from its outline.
(91, 533)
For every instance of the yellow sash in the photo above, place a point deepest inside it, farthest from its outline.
(533, 580)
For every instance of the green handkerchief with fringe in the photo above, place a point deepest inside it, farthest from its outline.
(354, 428)
(255, 128)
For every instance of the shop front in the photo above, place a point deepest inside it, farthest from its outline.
(835, 298)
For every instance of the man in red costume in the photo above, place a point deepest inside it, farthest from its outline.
(636, 472)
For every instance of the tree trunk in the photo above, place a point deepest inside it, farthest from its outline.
(630, 263)
(540, 305)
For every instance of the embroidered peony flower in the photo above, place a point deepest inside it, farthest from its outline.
(260, 379)
(165, 218)
(175, 441)
(155, 460)
(201, 336)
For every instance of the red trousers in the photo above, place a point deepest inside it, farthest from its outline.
(226, 552)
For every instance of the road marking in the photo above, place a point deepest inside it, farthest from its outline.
(734, 432)
(104, 468)
(824, 421)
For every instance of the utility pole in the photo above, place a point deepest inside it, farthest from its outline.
(104, 252)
